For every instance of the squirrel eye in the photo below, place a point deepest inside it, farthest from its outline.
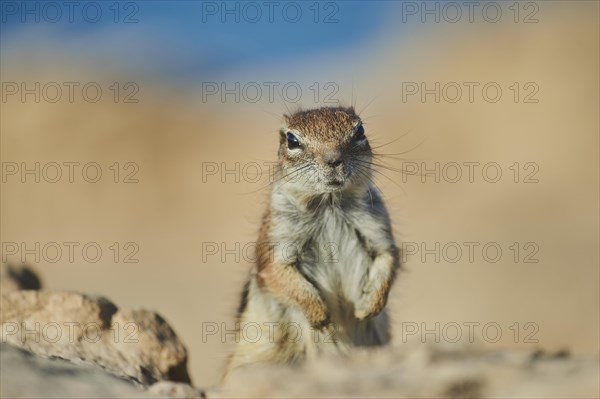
(292, 141)
(360, 133)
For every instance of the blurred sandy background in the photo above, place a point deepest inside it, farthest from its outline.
(171, 133)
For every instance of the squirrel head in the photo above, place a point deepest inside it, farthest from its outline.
(325, 150)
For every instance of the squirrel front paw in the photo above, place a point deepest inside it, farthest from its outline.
(369, 304)
(318, 316)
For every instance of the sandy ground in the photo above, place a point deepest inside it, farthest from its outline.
(171, 214)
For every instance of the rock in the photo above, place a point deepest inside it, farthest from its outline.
(134, 344)
(424, 371)
(31, 376)
(34, 377)
(14, 278)
(175, 390)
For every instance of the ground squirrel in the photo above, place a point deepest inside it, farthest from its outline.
(326, 253)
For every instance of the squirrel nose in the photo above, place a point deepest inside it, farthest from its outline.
(335, 162)
(333, 159)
